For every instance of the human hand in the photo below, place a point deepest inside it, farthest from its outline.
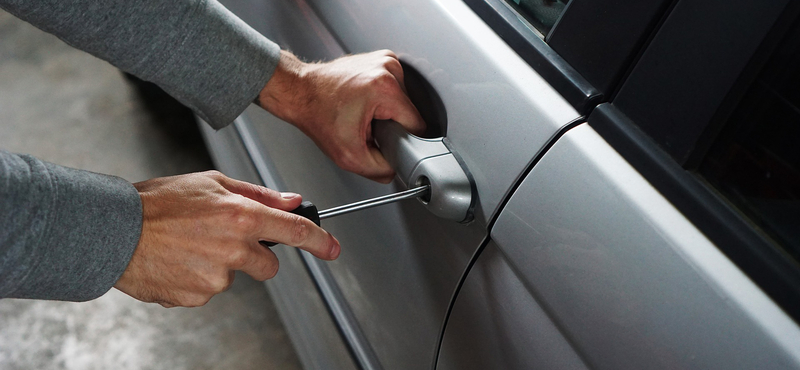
(334, 104)
(200, 228)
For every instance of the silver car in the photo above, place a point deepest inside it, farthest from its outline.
(615, 186)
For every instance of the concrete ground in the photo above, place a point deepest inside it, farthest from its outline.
(67, 107)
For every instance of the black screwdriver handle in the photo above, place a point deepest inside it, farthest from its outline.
(307, 210)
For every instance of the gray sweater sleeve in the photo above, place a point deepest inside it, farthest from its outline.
(196, 50)
(66, 234)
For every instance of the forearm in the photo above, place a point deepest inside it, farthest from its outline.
(196, 50)
(65, 234)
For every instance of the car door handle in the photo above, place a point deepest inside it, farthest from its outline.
(419, 161)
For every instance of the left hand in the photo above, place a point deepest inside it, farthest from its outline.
(197, 229)
(334, 103)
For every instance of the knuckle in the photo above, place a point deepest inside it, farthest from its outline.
(267, 269)
(177, 299)
(228, 281)
(386, 83)
(385, 79)
(214, 174)
(389, 62)
(239, 215)
(267, 192)
(215, 285)
(300, 230)
(258, 190)
(348, 160)
(237, 258)
(196, 300)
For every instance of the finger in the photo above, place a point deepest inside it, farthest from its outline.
(297, 231)
(191, 299)
(387, 53)
(392, 65)
(400, 109)
(231, 279)
(396, 69)
(371, 163)
(261, 264)
(263, 195)
(381, 171)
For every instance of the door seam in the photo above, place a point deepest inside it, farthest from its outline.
(563, 130)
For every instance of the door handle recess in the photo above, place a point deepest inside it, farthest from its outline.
(419, 161)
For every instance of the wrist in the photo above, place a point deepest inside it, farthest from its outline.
(287, 91)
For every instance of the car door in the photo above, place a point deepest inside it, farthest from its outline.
(662, 234)
(490, 80)
(401, 264)
(391, 288)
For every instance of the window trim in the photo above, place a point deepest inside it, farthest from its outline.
(540, 56)
(758, 256)
(601, 49)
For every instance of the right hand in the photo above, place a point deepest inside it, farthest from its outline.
(200, 228)
(334, 103)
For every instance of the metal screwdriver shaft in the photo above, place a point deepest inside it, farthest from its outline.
(309, 210)
(374, 202)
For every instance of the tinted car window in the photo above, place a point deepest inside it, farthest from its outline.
(755, 162)
(542, 14)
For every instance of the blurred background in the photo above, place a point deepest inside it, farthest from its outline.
(67, 107)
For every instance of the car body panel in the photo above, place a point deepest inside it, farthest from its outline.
(588, 265)
(626, 276)
(496, 323)
(400, 264)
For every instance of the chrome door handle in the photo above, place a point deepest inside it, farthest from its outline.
(419, 161)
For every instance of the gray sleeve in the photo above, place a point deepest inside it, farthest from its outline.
(66, 234)
(196, 50)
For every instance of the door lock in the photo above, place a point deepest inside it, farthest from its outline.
(421, 161)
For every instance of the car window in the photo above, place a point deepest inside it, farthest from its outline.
(755, 162)
(542, 14)
(583, 49)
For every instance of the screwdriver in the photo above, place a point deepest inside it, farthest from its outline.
(309, 210)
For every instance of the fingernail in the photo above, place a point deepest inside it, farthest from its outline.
(337, 248)
(289, 195)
